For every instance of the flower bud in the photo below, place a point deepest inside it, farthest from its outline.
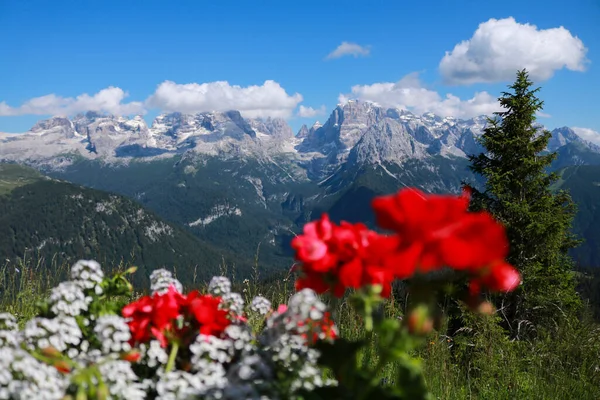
(132, 356)
(50, 352)
(419, 321)
(62, 366)
(486, 308)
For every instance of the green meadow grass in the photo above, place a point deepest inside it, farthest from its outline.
(480, 362)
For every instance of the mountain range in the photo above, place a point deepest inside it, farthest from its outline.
(246, 186)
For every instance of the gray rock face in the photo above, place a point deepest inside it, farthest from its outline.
(387, 141)
(275, 127)
(59, 125)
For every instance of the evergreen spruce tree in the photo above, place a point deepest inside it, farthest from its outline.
(538, 221)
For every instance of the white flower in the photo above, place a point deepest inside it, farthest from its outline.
(211, 348)
(176, 385)
(8, 330)
(113, 332)
(161, 279)
(306, 304)
(8, 338)
(68, 299)
(87, 274)
(121, 381)
(22, 377)
(219, 285)
(241, 337)
(153, 354)
(89, 356)
(8, 322)
(60, 332)
(234, 302)
(249, 378)
(251, 368)
(260, 305)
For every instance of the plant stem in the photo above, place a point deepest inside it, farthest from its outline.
(368, 316)
(172, 356)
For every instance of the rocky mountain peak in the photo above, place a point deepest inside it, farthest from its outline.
(275, 127)
(303, 132)
(315, 126)
(58, 125)
(562, 136)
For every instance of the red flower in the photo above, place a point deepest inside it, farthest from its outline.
(502, 277)
(339, 257)
(140, 314)
(436, 231)
(205, 309)
(154, 316)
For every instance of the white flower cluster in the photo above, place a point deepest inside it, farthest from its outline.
(8, 330)
(176, 385)
(231, 301)
(153, 355)
(211, 348)
(161, 279)
(22, 377)
(238, 364)
(113, 332)
(234, 302)
(68, 299)
(260, 305)
(304, 306)
(285, 339)
(88, 275)
(61, 333)
(219, 285)
(122, 382)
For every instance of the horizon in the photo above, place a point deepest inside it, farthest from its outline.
(278, 60)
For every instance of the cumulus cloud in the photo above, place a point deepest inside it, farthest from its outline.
(500, 47)
(309, 112)
(349, 49)
(588, 134)
(409, 94)
(108, 100)
(266, 100)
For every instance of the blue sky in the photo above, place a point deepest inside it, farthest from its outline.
(167, 56)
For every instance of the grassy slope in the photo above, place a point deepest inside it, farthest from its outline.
(49, 218)
(13, 176)
(583, 182)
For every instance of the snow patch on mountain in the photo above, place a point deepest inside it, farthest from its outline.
(218, 211)
(157, 229)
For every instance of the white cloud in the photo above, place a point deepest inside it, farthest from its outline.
(349, 49)
(500, 47)
(108, 100)
(588, 134)
(309, 112)
(541, 114)
(267, 100)
(409, 94)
